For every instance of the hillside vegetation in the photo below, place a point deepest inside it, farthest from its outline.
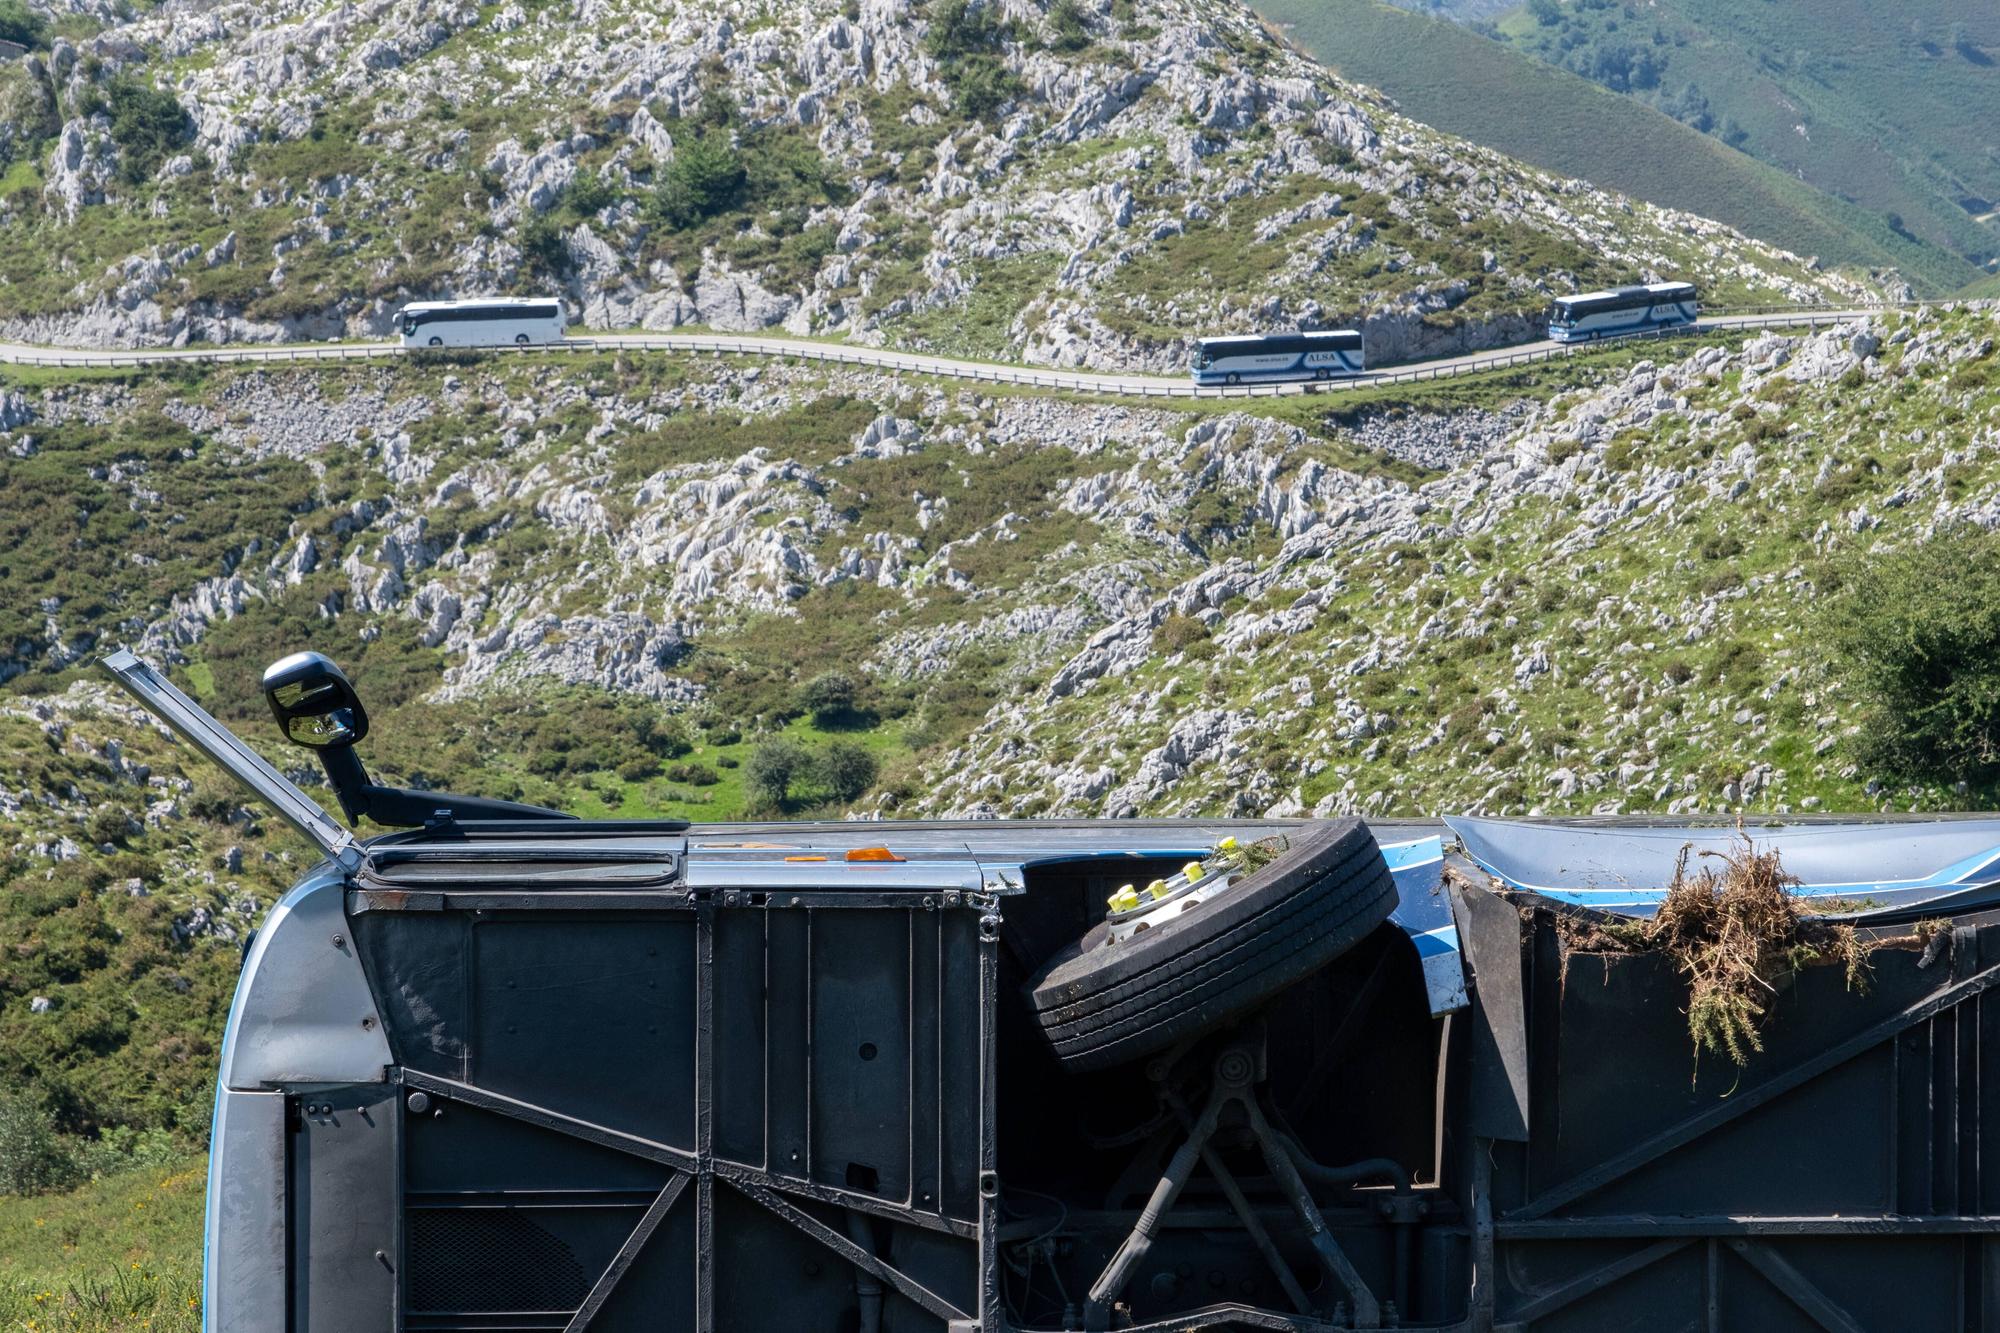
(1072, 184)
(1451, 77)
(121, 1255)
(709, 588)
(1889, 106)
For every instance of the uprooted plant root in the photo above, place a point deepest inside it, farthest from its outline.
(1733, 932)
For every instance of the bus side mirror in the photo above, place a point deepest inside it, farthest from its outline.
(315, 705)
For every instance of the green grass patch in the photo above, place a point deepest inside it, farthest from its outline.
(120, 1255)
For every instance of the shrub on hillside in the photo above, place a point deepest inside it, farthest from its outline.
(543, 246)
(830, 698)
(966, 38)
(845, 770)
(962, 27)
(775, 766)
(1914, 638)
(1177, 633)
(706, 177)
(983, 85)
(588, 193)
(20, 24)
(1069, 26)
(33, 1157)
(147, 125)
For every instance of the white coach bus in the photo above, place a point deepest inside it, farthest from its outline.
(1635, 309)
(494, 323)
(1277, 356)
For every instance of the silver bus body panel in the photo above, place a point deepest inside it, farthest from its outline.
(244, 1256)
(303, 1010)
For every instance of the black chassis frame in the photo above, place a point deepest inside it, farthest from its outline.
(1565, 1203)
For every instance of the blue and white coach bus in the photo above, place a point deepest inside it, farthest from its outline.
(1624, 310)
(1277, 356)
(492, 323)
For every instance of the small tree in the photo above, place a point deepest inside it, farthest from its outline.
(1914, 638)
(589, 192)
(146, 124)
(984, 85)
(846, 770)
(961, 27)
(543, 245)
(20, 24)
(774, 766)
(704, 178)
(1069, 26)
(33, 1159)
(829, 698)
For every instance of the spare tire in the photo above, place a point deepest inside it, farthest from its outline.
(1102, 1004)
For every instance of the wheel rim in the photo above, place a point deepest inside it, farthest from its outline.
(521, 339)
(1235, 378)
(437, 342)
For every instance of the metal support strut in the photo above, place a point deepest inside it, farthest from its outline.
(1238, 1084)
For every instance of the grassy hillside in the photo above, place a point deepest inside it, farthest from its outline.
(1451, 77)
(1890, 106)
(119, 1255)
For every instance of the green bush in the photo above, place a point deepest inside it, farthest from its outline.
(694, 775)
(1914, 638)
(845, 770)
(1069, 26)
(706, 177)
(21, 25)
(33, 1157)
(830, 698)
(775, 766)
(543, 246)
(588, 193)
(638, 768)
(147, 125)
(983, 85)
(962, 27)
(966, 39)
(1177, 633)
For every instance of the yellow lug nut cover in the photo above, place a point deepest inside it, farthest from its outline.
(1192, 870)
(1158, 888)
(1125, 899)
(1226, 845)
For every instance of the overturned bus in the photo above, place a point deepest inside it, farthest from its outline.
(504, 1069)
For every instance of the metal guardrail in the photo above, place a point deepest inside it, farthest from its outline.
(1095, 382)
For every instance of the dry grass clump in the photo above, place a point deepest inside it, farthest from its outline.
(1255, 856)
(1733, 931)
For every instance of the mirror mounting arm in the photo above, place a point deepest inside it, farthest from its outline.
(318, 709)
(403, 808)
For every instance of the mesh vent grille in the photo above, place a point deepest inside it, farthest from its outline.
(489, 1260)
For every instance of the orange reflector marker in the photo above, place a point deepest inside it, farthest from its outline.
(805, 858)
(872, 854)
